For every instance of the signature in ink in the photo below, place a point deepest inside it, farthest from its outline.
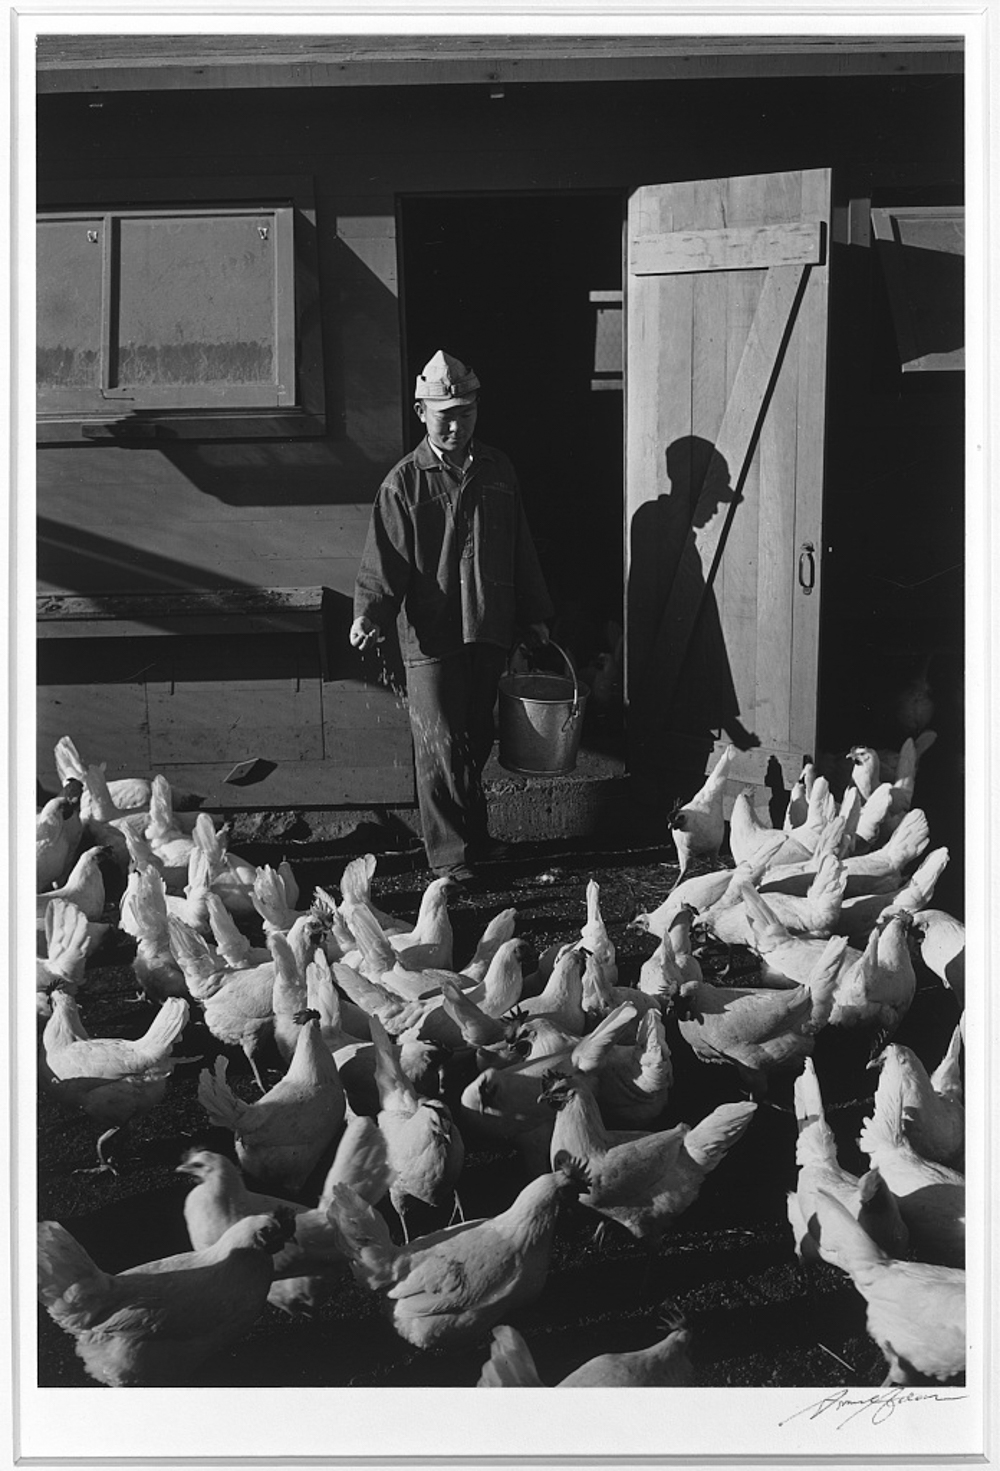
(881, 1406)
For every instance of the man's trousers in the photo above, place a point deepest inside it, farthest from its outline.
(451, 703)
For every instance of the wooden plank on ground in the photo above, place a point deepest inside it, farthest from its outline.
(750, 247)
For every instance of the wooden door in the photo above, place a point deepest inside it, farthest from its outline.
(726, 304)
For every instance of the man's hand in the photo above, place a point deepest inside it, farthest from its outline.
(364, 632)
(537, 635)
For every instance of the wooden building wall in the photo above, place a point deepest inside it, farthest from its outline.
(293, 512)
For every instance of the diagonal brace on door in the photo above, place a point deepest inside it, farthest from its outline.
(736, 442)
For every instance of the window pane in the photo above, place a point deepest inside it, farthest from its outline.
(196, 300)
(70, 254)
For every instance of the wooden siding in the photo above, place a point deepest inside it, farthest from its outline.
(279, 512)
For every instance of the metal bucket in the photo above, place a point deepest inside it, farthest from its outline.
(541, 718)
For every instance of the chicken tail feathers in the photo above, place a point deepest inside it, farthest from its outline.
(879, 1215)
(767, 928)
(510, 1364)
(910, 838)
(371, 938)
(946, 1079)
(69, 763)
(886, 1127)
(218, 1099)
(356, 880)
(710, 1140)
(919, 892)
(361, 1162)
(66, 935)
(390, 1080)
(843, 1241)
(70, 1284)
(166, 1026)
(366, 1237)
(815, 1141)
(161, 812)
(830, 883)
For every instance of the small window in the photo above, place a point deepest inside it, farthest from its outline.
(176, 319)
(166, 309)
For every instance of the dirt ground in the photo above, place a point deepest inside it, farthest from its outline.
(757, 1320)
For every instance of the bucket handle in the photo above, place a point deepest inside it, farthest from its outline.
(574, 713)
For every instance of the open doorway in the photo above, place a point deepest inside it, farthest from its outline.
(505, 283)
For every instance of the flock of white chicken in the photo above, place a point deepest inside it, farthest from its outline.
(571, 1067)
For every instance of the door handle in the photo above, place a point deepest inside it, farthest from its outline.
(807, 567)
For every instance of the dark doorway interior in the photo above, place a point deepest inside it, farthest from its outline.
(504, 283)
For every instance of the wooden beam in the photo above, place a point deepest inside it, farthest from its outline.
(748, 248)
(118, 63)
(228, 601)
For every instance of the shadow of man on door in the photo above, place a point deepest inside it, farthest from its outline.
(678, 727)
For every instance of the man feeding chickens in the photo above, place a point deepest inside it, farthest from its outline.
(450, 558)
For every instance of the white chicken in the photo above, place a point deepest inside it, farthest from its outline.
(815, 913)
(448, 1288)
(281, 1137)
(499, 991)
(698, 825)
(758, 1031)
(310, 1265)
(858, 915)
(67, 946)
(699, 892)
(129, 793)
(595, 939)
(273, 896)
(916, 1312)
(866, 1197)
(238, 1004)
(644, 1181)
(879, 871)
(562, 998)
(931, 1197)
(498, 931)
(84, 887)
(111, 1079)
(156, 1324)
(355, 888)
(58, 832)
(429, 945)
(942, 947)
(503, 1102)
(932, 1111)
(230, 876)
(661, 1365)
(423, 1144)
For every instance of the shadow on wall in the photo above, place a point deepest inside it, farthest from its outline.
(361, 377)
(73, 558)
(356, 383)
(665, 563)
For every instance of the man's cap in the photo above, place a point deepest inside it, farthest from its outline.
(446, 382)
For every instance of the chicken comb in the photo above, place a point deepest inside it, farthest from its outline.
(671, 1319)
(574, 1169)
